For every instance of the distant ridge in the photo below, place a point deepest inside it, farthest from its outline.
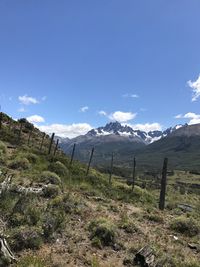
(180, 143)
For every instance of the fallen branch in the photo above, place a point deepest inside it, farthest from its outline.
(6, 251)
(7, 185)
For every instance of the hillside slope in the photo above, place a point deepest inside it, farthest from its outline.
(182, 147)
(51, 214)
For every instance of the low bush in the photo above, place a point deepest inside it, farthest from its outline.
(3, 148)
(59, 168)
(129, 227)
(186, 226)
(25, 211)
(48, 177)
(31, 261)
(53, 222)
(3, 153)
(66, 203)
(26, 238)
(51, 191)
(20, 163)
(103, 233)
(154, 217)
(7, 203)
(32, 157)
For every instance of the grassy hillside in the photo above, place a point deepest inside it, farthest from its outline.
(73, 220)
(183, 152)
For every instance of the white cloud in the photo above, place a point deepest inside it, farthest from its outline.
(102, 113)
(22, 109)
(147, 127)
(84, 109)
(64, 130)
(122, 116)
(195, 88)
(193, 117)
(27, 100)
(35, 119)
(134, 96)
(179, 116)
(131, 95)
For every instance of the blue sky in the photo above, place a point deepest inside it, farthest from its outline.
(78, 64)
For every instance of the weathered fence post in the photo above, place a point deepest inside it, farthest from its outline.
(42, 142)
(89, 163)
(20, 132)
(56, 147)
(72, 155)
(10, 124)
(133, 176)
(51, 143)
(163, 185)
(111, 169)
(29, 137)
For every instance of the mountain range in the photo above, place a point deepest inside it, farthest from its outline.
(180, 143)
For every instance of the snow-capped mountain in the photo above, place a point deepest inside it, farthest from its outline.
(180, 143)
(115, 128)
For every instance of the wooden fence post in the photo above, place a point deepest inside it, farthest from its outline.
(72, 155)
(20, 132)
(51, 143)
(133, 175)
(29, 137)
(56, 147)
(43, 136)
(163, 185)
(10, 125)
(111, 169)
(89, 163)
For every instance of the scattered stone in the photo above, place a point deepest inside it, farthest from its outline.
(174, 237)
(145, 257)
(194, 246)
(186, 207)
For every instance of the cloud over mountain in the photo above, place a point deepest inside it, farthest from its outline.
(121, 116)
(193, 117)
(195, 86)
(35, 119)
(64, 130)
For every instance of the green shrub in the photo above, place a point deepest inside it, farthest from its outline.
(66, 203)
(102, 232)
(129, 227)
(59, 168)
(186, 226)
(7, 202)
(3, 148)
(48, 177)
(53, 222)
(32, 157)
(16, 219)
(20, 163)
(3, 153)
(154, 218)
(26, 238)
(25, 211)
(31, 261)
(4, 261)
(51, 191)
